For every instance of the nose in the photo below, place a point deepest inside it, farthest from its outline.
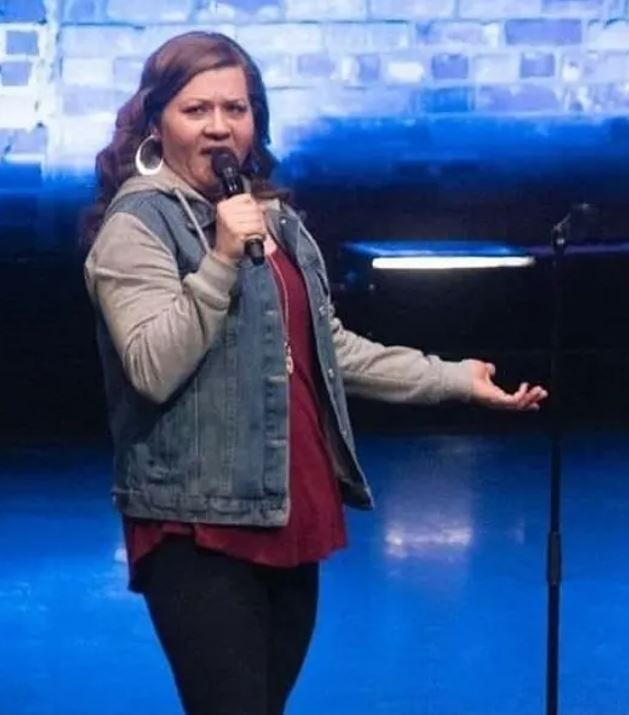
(217, 124)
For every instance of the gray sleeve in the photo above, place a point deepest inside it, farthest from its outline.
(161, 325)
(396, 373)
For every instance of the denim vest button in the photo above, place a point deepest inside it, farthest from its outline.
(330, 373)
(322, 310)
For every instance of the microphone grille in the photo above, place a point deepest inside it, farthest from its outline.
(223, 160)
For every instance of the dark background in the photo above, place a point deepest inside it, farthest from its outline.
(50, 373)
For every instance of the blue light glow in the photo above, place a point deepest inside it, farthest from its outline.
(430, 249)
(468, 95)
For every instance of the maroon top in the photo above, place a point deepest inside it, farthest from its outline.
(316, 525)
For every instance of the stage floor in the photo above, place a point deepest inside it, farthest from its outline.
(437, 608)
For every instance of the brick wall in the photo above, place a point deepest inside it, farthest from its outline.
(66, 65)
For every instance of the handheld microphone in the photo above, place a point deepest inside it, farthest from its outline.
(227, 169)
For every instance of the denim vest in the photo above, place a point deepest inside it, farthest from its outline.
(218, 450)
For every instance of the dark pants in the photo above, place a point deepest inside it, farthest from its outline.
(235, 633)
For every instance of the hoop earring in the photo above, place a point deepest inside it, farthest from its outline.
(152, 167)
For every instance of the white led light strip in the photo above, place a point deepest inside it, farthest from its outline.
(444, 263)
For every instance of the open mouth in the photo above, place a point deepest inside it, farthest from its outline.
(208, 150)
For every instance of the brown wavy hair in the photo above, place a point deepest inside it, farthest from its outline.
(165, 73)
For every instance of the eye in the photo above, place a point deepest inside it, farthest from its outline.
(237, 109)
(195, 110)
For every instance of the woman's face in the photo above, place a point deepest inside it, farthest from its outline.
(212, 110)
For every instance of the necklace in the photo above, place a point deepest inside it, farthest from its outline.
(290, 364)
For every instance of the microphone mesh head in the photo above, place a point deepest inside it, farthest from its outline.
(224, 160)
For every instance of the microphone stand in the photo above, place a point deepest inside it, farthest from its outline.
(553, 555)
(577, 226)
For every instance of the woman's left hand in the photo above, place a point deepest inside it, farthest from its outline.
(486, 392)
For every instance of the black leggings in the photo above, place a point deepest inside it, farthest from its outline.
(235, 633)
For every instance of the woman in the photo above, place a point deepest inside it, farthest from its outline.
(226, 381)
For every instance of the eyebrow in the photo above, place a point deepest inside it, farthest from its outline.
(206, 100)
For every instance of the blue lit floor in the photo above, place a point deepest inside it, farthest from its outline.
(438, 607)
